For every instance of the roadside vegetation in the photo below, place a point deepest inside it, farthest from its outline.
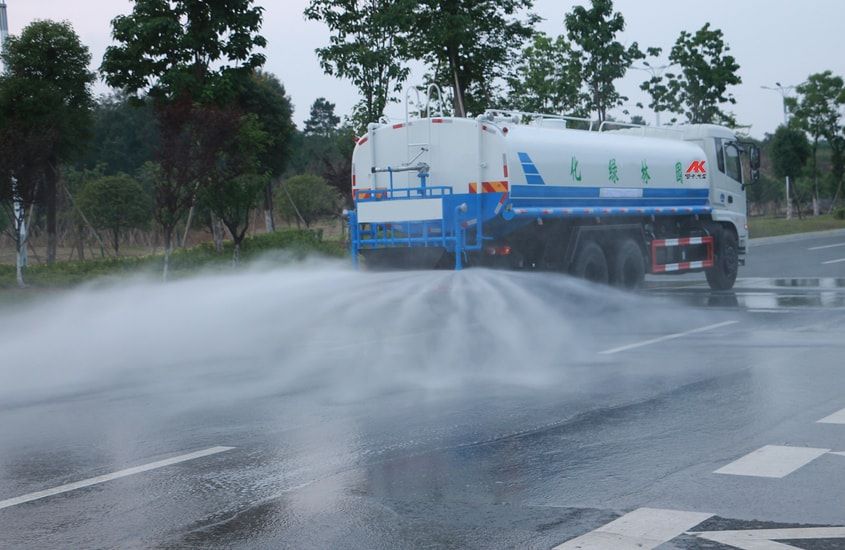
(278, 247)
(771, 227)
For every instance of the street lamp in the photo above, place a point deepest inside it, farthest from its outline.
(784, 92)
(655, 72)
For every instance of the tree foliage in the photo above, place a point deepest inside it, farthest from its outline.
(546, 78)
(601, 57)
(264, 96)
(234, 187)
(789, 151)
(322, 120)
(115, 203)
(170, 49)
(817, 111)
(47, 84)
(124, 135)
(700, 89)
(365, 47)
(468, 44)
(305, 198)
(190, 57)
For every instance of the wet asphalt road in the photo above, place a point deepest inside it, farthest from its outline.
(631, 409)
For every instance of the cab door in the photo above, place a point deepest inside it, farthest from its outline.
(728, 192)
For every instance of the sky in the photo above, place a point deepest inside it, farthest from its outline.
(773, 41)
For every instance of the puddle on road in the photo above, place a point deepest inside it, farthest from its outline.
(761, 293)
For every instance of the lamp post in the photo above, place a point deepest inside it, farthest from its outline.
(784, 92)
(656, 73)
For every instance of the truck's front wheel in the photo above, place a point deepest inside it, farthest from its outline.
(590, 263)
(722, 275)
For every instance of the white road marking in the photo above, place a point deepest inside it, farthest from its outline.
(834, 261)
(774, 461)
(108, 477)
(666, 337)
(826, 246)
(638, 530)
(836, 418)
(770, 310)
(764, 539)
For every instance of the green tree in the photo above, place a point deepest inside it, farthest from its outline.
(124, 135)
(189, 57)
(22, 164)
(546, 78)
(50, 61)
(365, 48)
(305, 198)
(701, 87)
(789, 151)
(816, 111)
(264, 96)
(115, 204)
(601, 57)
(322, 120)
(468, 44)
(234, 189)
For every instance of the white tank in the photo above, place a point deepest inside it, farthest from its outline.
(538, 164)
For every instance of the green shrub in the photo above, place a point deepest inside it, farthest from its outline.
(839, 213)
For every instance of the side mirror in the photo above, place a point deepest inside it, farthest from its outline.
(754, 158)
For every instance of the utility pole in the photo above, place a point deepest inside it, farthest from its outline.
(784, 92)
(656, 73)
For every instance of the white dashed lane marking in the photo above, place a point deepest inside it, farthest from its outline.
(834, 261)
(836, 418)
(643, 528)
(108, 477)
(826, 246)
(666, 337)
(775, 461)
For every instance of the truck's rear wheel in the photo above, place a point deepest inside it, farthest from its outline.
(590, 263)
(627, 264)
(722, 275)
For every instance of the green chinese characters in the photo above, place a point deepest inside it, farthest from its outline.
(644, 175)
(613, 171)
(574, 170)
(679, 173)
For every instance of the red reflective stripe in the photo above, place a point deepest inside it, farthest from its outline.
(362, 141)
(397, 126)
(436, 120)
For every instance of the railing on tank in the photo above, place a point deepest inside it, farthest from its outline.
(518, 117)
(431, 91)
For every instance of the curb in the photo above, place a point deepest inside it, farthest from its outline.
(796, 237)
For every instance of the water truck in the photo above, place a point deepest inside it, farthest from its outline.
(605, 202)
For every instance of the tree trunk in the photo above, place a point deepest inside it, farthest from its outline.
(51, 202)
(187, 228)
(269, 222)
(116, 236)
(217, 233)
(236, 255)
(168, 250)
(21, 250)
(458, 99)
(80, 242)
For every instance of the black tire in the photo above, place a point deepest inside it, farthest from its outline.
(590, 263)
(722, 275)
(627, 265)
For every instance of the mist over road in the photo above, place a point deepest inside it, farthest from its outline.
(317, 407)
